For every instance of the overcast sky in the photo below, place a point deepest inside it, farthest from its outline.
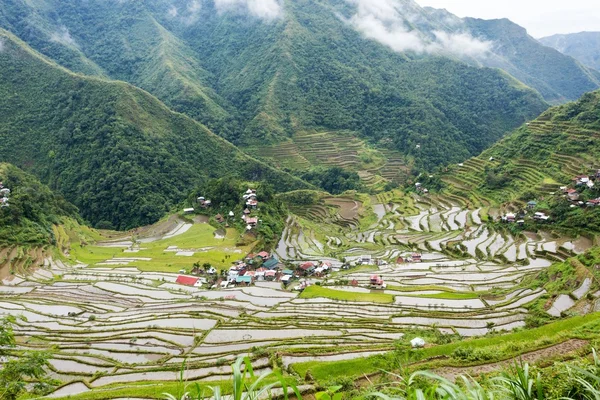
(540, 17)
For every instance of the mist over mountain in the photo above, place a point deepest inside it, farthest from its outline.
(583, 46)
(257, 72)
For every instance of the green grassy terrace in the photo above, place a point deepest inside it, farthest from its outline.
(312, 292)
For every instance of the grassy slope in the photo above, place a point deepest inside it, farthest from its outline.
(314, 291)
(200, 236)
(113, 150)
(502, 346)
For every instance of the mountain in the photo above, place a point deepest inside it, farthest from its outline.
(265, 76)
(32, 209)
(534, 161)
(583, 46)
(113, 150)
(559, 78)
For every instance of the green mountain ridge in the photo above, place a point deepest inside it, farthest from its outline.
(254, 82)
(113, 150)
(536, 160)
(583, 46)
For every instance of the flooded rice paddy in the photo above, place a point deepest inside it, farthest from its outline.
(114, 324)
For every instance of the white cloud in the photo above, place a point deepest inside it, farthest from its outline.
(384, 21)
(1, 45)
(264, 9)
(460, 43)
(194, 7)
(540, 17)
(189, 15)
(63, 36)
(396, 37)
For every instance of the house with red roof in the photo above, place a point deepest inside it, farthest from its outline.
(186, 280)
(594, 203)
(270, 275)
(264, 255)
(377, 282)
(307, 267)
(252, 221)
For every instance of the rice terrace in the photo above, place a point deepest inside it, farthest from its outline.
(369, 272)
(299, 199)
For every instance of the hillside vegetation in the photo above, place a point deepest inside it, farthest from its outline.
(113, 150)
(32, 211)
(536, 160)
(583, 46)
(256, 81)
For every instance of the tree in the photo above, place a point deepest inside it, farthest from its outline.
(17, 372)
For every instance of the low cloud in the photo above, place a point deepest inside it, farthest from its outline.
(460, 43)
(63, 36)
(384, 21)
(1, 45)
(188, 14)
(194, 7)
(172, 12)
(264, 9)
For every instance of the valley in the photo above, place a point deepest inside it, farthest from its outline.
(118, 320)
(350, 198)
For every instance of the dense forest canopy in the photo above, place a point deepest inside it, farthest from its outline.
(113, 150)
(31, 209)
(259, 78)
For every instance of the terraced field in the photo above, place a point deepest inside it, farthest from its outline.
(542, 156)
(171, 245)
(470, 278)
(342, 149)
(115, 316)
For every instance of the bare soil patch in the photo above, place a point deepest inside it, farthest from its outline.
(348, 208)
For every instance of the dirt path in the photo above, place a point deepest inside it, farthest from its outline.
(562, 349)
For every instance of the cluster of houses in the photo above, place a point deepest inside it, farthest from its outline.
(520, 218)
(4, 195)
(409, 258)
(250, 204)
(202, 203)
(573, 194)
(255, 267)
(420, 188)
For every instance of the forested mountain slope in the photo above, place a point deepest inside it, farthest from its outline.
(583, 46)
(257, 76)
(113, 150)
(534, 161)
(557, 77)
(31, 209)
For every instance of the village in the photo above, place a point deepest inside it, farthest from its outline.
(266, 267)
(574, 193)
(4, 196)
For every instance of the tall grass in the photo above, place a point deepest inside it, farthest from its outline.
(246, 385)
(516, 383)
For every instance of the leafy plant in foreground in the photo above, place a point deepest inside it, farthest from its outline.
(246, 386)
